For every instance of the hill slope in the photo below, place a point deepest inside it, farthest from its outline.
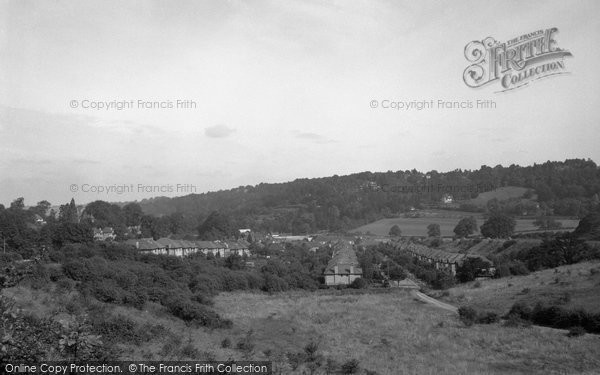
(343, 202)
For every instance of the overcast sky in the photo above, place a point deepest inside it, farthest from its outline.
(283, 91)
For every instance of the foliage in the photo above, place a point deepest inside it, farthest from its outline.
(359, 283)
(469, 316)
(216, 226)
(433, 230)
(471, 268)
(498, 226)
(350, 367)
(395, 231)
(465, 227)
(547, 222)
(589, 226)
(556, 316)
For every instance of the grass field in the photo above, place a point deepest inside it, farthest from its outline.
(572, 286)
(387, 333)
(502, 193)
(447, 221)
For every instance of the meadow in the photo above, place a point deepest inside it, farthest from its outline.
(385, 333)
(447, 220)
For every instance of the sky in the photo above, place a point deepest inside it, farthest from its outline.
(276, 90)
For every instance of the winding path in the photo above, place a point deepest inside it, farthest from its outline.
(434, 302)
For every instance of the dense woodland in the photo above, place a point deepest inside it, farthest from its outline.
(568, 188)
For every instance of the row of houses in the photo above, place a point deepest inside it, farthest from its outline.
(181, 248)
(343, 268)
(439, 258)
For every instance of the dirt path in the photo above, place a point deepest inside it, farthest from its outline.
(435, 302)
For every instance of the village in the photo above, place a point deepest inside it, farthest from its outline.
(343, 269)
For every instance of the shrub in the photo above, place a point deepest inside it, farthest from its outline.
(226, 343)
(470, 316)
(65, 285)
(194, 312)
(518, 268)
(190, 351)
(117, 329)
(467, 315)
(350, 367)
(359, 283)
(576, 332)
(246, 344)
(557, 317)
(514, 320)
(521, 310)
(487, 317)
(274, 283)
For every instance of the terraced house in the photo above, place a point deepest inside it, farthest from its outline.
(343, 268)
(181, 248)
(439, 258)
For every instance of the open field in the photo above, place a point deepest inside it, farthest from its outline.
(387, 333)
(502, 193)
(573, 286)
(447, 221)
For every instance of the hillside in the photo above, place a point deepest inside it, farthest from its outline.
(566, 188)
(572, 286)
(386, 333)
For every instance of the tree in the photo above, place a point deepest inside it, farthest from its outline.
(589, 227)
(68, 213)
(155, 227)
(217, 226)
(546, 222)
(66, 232)
(41, 208)
(470, 268)
(104, 214)
(433, 230)
(133, 214)
(17, 204)
(498, 226)
(395, 231)
(465, 227)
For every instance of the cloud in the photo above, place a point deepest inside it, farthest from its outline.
(317, 138)
(218, 131)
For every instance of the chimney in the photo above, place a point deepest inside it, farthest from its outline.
(335, 270)
(351, 270)
(137, 244)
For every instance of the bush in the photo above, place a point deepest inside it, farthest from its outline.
(518, 268)
(65, 285)
(226, 343)
(467, 315)
(521, 310)
(514, 320)
(274, 283)
(118, 329)
(557, 317)
(470, 316)
(576, 332)
(194, 312)
(359, 283)
(488, 317)
(350, 367)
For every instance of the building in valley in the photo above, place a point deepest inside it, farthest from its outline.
(343, 268)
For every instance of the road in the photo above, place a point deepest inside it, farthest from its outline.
(434, 302)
